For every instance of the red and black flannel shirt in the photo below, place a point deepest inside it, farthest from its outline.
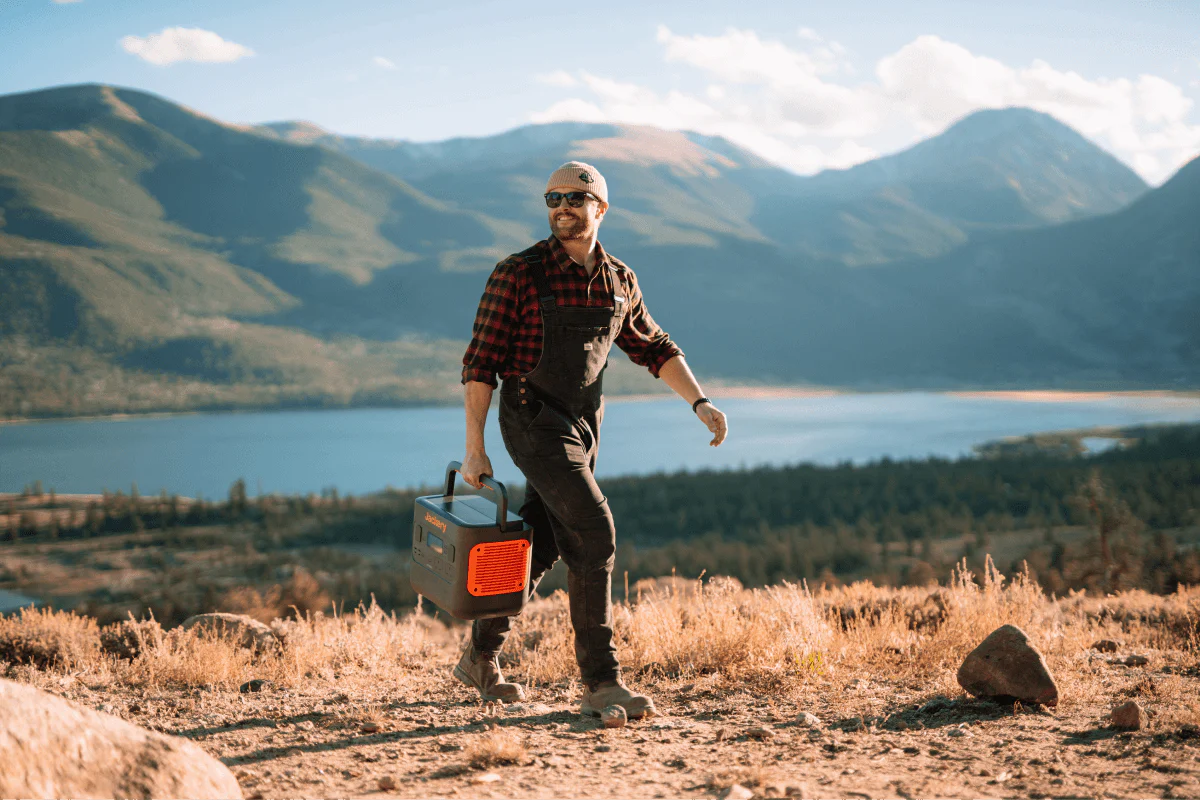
(507, 336)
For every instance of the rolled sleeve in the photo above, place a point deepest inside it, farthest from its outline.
(641, 338)
(495, 321)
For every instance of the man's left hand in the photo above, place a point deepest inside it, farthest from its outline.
(711, 416)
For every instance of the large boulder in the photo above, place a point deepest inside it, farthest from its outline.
(246, 631)
(1006, 665)
(50, 747)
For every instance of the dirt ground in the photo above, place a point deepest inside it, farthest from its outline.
(433, 738)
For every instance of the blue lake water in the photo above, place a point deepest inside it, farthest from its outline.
(361, 451)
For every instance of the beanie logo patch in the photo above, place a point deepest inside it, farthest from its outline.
(586, 178)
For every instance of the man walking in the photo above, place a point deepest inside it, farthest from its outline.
(547, 319)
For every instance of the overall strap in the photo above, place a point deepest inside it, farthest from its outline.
(540, 281)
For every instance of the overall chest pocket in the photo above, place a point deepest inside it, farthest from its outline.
(586, 331)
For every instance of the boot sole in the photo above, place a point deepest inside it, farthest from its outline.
(589, 711)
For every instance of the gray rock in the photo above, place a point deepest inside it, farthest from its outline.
(807, 720)
(1128, 716)
(246, 631)
(1005, 664)
(735, 792)
(54, 748)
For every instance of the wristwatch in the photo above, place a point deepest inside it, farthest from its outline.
(698, 402)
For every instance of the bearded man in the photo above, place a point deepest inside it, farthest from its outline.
(544, 327)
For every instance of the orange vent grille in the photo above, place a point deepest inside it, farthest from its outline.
(498, 567)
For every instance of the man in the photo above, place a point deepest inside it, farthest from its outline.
(545, 324)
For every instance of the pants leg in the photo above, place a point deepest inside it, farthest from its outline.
(557, 464)
(488, 635)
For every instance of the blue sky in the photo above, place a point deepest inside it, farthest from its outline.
(807, 85)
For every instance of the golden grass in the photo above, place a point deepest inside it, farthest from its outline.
(783, 639)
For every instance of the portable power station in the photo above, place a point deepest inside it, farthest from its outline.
(471, 556)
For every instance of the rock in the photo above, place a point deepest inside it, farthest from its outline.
(254, 685)
(487, 777)
(807, 720)
(1005, 664)
(1128, 716)
(613, 717)
(1107, 646)
(1136, 661)
(54, 748)
(760, 732)
(387, 783)
(369, 727)
(735, 792)
(244, 630)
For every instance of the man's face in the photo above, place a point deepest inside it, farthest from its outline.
(576, 223)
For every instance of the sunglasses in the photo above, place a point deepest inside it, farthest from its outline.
(574, 199)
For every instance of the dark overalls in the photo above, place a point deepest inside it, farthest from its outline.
(550, 422)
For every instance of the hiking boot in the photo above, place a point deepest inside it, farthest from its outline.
(484, 674)
(615, 693)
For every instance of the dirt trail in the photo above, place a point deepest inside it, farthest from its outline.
(434, 739)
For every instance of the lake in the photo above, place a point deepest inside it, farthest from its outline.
(364, 450)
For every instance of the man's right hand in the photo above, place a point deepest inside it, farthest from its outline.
(474, 466)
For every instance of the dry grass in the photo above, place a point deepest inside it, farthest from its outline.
(495, 748)
(780, 640)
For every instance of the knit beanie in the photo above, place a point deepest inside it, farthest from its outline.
(580, 176)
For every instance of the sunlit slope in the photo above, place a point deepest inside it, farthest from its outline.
(140, 236)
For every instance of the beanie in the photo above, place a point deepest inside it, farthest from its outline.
(580, 176)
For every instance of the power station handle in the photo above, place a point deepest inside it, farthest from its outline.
(494, 485)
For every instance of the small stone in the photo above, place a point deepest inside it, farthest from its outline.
(370, 727)
(487, 777)
(254, 685)
(807, 720)
(1136, 661)
(387, 783)
(735, 792)
(603, 748)
(1005, 664)
(1106, 646)
(1128, 716)
(760, 732)
(613, 717)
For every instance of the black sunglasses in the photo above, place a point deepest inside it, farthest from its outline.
(574, 199)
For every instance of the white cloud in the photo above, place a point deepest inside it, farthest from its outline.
(796, 106)
(184, 44)
(383, 63)
(560, 78)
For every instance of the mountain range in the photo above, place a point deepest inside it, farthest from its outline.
(154, 258)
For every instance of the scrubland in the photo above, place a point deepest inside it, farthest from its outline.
(784, 690)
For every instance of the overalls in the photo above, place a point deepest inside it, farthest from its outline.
(550, 422)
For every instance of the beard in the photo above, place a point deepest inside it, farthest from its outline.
(576, 227)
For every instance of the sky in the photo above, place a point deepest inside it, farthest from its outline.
(805, 85)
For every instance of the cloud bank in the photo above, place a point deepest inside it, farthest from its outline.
(172, 45)
(803, 106)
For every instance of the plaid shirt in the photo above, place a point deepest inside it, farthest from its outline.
(507, 337)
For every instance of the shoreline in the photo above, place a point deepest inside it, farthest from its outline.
(751, 392)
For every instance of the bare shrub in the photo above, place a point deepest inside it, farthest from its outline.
(495, 747)
(49, 639)
(128, 638)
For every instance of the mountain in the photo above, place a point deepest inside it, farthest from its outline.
(994, 169)
(154, 258)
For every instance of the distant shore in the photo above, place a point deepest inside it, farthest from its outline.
(716, 391)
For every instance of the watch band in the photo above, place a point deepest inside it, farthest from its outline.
(698, 402)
